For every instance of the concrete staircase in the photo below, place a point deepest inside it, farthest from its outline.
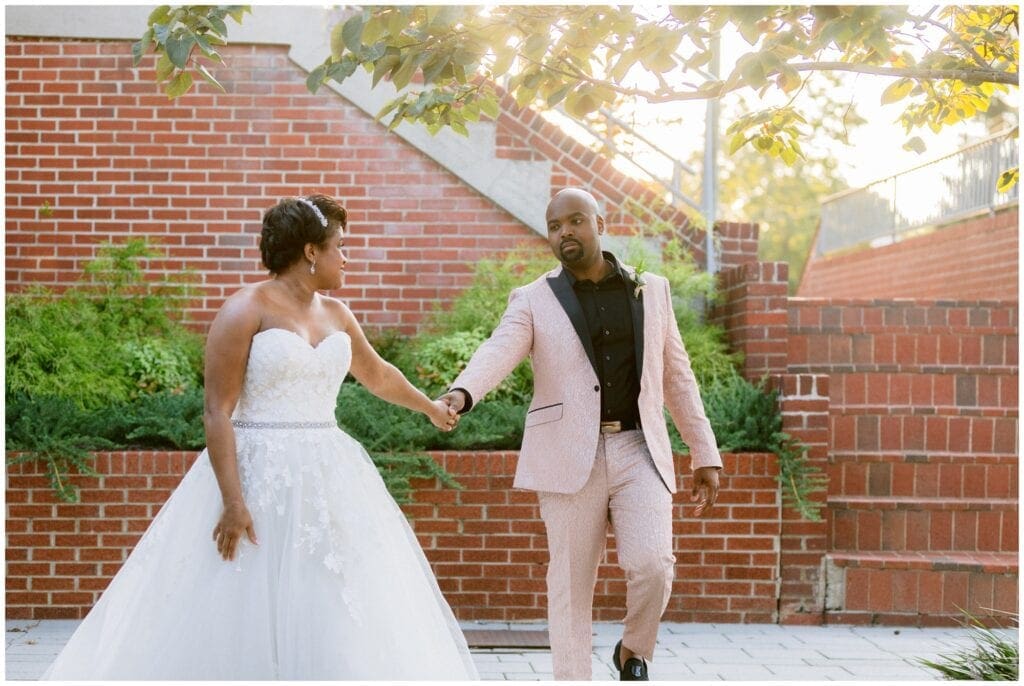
(918, 539)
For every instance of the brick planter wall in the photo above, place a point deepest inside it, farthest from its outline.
(486, 543)
(976, 259)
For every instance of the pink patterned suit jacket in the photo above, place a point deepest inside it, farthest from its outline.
(544, 319)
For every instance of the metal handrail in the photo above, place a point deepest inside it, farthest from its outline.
(672, 187)
(950, 187)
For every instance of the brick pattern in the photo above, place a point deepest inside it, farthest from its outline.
(921, 597)
(923, 454)
(973, 259)
(804, 400)
(753, 311)
(93, 139)
(485, 542)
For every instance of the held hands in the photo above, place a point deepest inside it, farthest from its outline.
(442, 415)
(705, 490)
(455, 399)
(235, 520)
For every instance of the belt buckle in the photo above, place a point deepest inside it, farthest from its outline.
(611, 427)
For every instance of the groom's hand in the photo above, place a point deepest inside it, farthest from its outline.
(705, 489)
(456, 400)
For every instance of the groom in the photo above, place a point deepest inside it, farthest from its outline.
(607, 358)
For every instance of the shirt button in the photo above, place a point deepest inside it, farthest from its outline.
(606, 332)
(608, 384)
(607, 357)
(602, 309)
(597, 388)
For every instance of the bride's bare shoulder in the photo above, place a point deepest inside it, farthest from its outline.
(337, 310)
(244, 308)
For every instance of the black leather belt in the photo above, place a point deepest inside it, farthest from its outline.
(617, 426)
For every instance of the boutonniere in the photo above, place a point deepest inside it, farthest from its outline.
(641, 283)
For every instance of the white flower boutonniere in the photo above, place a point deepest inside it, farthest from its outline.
(641, 283)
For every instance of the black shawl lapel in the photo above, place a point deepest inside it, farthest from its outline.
(566, 297)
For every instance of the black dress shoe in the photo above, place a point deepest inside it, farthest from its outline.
(635, 668)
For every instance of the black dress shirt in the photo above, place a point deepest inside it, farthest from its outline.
(605, 305)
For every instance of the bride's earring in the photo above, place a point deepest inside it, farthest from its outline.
(312, 267)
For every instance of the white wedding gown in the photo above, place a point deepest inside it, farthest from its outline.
(337, 588)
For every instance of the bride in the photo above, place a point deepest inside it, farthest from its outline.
(313, 572)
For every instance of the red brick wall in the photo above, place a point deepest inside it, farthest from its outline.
(973, 260)
(486, 543)
(93, 138)
(911, 409)
(913, 377)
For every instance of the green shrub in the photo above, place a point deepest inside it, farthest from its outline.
(101, 343)
(993, 657)
(691, 289)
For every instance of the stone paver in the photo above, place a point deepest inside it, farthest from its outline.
(685, 652)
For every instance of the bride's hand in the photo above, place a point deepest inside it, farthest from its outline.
(442, 416)
(235, 521)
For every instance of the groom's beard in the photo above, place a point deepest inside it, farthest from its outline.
(570, 252)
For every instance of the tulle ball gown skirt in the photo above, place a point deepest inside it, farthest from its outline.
(337, 588)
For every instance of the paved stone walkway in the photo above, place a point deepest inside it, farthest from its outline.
(685, 652)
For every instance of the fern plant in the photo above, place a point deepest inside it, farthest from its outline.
(54, 431)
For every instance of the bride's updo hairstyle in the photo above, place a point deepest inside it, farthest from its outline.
(293, 222)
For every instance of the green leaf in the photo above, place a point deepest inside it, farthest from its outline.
(218, 25)
(237, 12)
(164, 67)
(179, 47)
(209, 77)
(580, 104)
(337, 42)
(339, 71)
(897, 91)
(536, 46)
(736, 142)
(397, 21)
(433, 68)
(316, 78)
(352, 32)
(752, 71)
(141, 47)
(503, 56)
(159, 15)
(179, 85)
(400, 77)
(915, 144)
(489, 106)
(559, 95)
(460, 128)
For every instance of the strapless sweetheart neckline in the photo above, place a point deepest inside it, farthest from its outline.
(299, 336)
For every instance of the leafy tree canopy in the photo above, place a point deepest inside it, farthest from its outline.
(947, 63)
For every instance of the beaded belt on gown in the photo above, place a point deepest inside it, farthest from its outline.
(241, 424)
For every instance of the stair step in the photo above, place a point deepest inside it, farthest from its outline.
(989, 563)
(903, 502)
(920, 589)
(924, 475)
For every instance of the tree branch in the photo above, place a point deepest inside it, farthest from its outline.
(978, 59)
(972, 76)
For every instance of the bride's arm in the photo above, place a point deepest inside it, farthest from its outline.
(227, 349)
(385, 381)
